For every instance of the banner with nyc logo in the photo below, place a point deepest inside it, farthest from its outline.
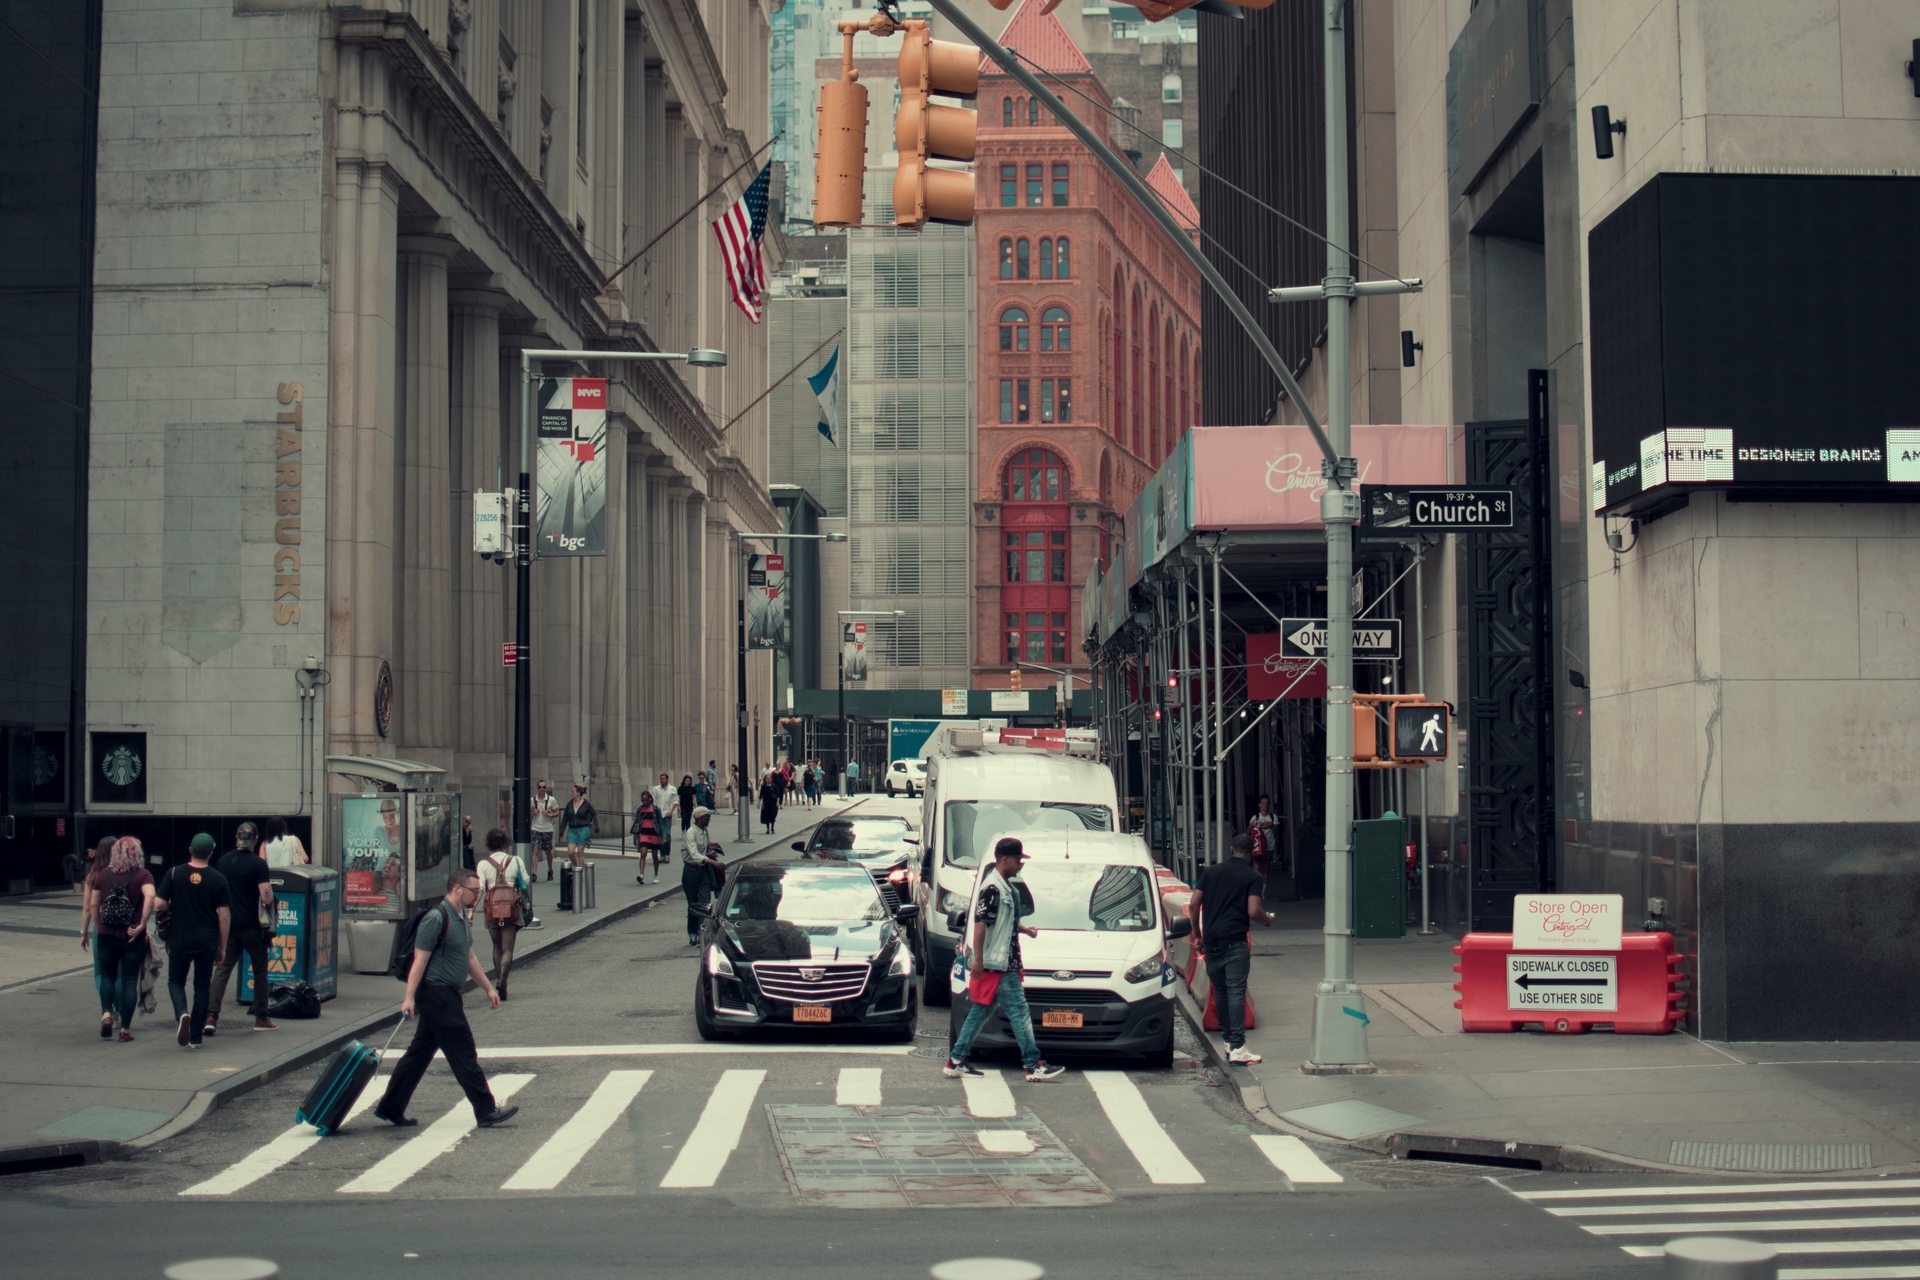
(571, 457)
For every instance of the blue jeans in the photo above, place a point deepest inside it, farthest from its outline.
(1227, 965)
(1011, 1000)
(116, 972)
(201, 963)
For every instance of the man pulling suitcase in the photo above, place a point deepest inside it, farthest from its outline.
(443, 959)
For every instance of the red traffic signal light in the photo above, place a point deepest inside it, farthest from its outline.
(924, 129)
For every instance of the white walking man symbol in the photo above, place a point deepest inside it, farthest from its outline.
(1430, 733)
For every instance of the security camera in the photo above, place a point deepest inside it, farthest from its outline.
(1621, 541)
(310, 663)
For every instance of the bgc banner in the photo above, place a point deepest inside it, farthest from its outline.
(571, 461)
(767, 602)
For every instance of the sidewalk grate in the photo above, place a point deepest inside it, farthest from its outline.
(1772, 1157)
(1350, 1119)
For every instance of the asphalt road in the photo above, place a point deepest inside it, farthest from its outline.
(667, 1153)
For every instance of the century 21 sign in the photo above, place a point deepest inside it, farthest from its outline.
(286, 505)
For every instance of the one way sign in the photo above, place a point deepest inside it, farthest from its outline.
(1307, 638)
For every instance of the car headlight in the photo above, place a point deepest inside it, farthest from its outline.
(717, 963)
(951, 902)
(902, 965)
(1147, 970)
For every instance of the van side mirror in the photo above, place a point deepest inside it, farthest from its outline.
(799, 846)
(907, 912)
(956, 922)
(909, 838)
(1180, 927)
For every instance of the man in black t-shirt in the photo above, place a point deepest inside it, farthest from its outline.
(1225, 904)
(197, 904)
(251, 885)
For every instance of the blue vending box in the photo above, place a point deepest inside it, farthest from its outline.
(302, 948)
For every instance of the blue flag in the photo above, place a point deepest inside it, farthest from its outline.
(826, 389)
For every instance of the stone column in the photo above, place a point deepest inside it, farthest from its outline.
(639, 614)
(659, 197)
(633, 159)
(480, 588)
(675, 598)
(423, 599)
(659, 606)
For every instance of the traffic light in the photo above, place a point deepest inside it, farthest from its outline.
(840, 164)
(1421, 730)
(1365, 732)
(1013, 680)
(924, 129)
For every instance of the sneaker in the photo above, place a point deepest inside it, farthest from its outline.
(536, 924)
(1242, 1057)
(1040, 1072)
(693, 939)
(193, 1044)
(106, 1026)
(213, 1025)
(259, 1024)
(549, 873)
(183, 1032)
(957, 1070)
(500, 1115)
(126, 1036)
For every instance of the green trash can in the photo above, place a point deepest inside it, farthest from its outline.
(1380, 878)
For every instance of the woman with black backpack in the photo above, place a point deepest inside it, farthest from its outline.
(119, 900)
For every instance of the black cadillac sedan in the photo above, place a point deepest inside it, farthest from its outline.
(805, 946)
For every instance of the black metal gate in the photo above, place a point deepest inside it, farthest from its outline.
(1507, 581)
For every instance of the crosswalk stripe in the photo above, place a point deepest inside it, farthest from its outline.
(438, 1138)
(1757, 1224)
(1804, 1246)
(521, 1054)
(284, 1149)
(555, 1159)
(1294, 1158)
(1004, 1142)
(858, 1087)
(988, 1096)
(714, 1138)
(1737, 1206)
(1130, 1116)
(1731, 1188)
(1849, 1273)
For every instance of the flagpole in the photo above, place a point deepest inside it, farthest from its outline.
(692, 208)
(783, 377)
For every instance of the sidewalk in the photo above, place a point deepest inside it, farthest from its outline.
(1592, 1101)
(72, 1097)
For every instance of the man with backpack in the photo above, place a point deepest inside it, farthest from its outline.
(503, 887)
(254, 922)
(441, 946)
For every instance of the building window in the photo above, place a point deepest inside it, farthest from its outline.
(1013, 637)
(1013, 327)
(1170, 132)
(1006, 259)
(1055, 332)
(1060, 262)
(1036, 641)
(1066, 399)
(1006, 111)
(580, 92)
(1170, 88)
(1009, 184)
(1033, 111)
(1021, 269)
(1034, 475)
(1046, 259)
(1060, 172)
(1006, 400)
(1060, 637)
(1046, 400)
(1034, 183)
(1023, 406)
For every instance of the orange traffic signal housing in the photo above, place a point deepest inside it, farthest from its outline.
(840, 162)
(1013, 680)
(925, 129)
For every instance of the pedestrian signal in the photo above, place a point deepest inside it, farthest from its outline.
(924, 130)
(1421, 730)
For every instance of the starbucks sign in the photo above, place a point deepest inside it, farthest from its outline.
(119, 767)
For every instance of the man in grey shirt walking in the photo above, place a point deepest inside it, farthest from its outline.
(443, 960)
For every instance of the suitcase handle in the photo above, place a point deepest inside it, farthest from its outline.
(390, 1035)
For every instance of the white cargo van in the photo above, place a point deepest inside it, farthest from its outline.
(978, 789)
(1099, 978)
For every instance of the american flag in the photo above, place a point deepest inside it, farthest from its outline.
(739, 230)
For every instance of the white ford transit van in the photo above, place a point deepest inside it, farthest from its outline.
(1099, 978)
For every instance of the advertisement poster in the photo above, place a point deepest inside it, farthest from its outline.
(435, 817)
(767, 602)
(572, 460)
(373, 856)
(853, 651)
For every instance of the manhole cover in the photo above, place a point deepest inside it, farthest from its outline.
(932, 1033)
(929, 1051)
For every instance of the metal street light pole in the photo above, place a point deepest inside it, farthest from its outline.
(740, 665)
(842, 656)
(699, 358)
(1066, 711)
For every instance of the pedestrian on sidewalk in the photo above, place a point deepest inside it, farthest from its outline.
(685, 798)
(702, 791)
(97, 859)
(733, 786)
(1223, 908)
(466, 841)
(194, 899)
(250, 881)
(701, 873)
(769, 800)
(282, 849)
(713, 782)
(666, 802)
(443, 960)
(813, 783)
(648, 836)
(578, 821)
(120, 899)
(1264, 829)
(993, 969)
(503, 891)
(546, 808)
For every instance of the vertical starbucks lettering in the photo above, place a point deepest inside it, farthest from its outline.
(286, 505)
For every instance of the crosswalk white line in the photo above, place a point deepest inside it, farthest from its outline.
(1130, 1116)
(1294, 1158)
(730, 1049)
(858, 1087)
(1729, 1188)
(557, 1156)
(988, 1096)
(1849, 1273)
(1004, 1142)
(1801, 1246)
(714, 1138)
(1756, 1224)
(438, 1138)
(284, 1149)
(1737, 1206)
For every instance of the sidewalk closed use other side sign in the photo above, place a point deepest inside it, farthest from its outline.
(1584, 984)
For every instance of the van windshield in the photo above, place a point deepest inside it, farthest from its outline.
(973, 825)
(1086, 895)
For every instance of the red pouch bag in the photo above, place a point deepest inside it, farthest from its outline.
(982, 987)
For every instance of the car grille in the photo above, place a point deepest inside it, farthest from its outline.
(1053, 997)
(782, 981)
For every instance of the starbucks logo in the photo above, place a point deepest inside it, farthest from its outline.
(46, 766)
(121, 766)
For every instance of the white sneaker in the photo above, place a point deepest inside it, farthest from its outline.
(1243, 1057)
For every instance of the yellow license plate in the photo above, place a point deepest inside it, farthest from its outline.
(1065, 1018)
(812, 1013)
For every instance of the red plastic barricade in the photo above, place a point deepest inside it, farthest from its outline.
(1571, 988)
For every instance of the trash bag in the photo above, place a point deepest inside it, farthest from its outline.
(293, 1000)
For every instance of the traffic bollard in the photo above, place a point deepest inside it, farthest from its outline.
(1720, 1258)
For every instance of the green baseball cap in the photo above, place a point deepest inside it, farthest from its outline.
(202, 844)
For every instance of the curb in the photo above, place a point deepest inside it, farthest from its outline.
(204, 1102)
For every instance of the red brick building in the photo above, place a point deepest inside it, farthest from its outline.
(1089, 356)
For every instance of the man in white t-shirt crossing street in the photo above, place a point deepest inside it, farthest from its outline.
(546, 811)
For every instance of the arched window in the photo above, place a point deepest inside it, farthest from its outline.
(1006, 111)
(1013, 329)
(1034, 475)
(1033, 111)
(1118, 423)
(1153, 385)
(1185, 386)
(1006, 259)
(1021, 270)
(1134, 438)
(1046, 259)
(1055, 333)
(1060, 263)
(1034, 593)
(1174, 425)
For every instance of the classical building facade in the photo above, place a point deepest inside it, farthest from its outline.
(324, 237)
(1089, 357)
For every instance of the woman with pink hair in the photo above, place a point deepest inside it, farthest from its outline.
(119, 900)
